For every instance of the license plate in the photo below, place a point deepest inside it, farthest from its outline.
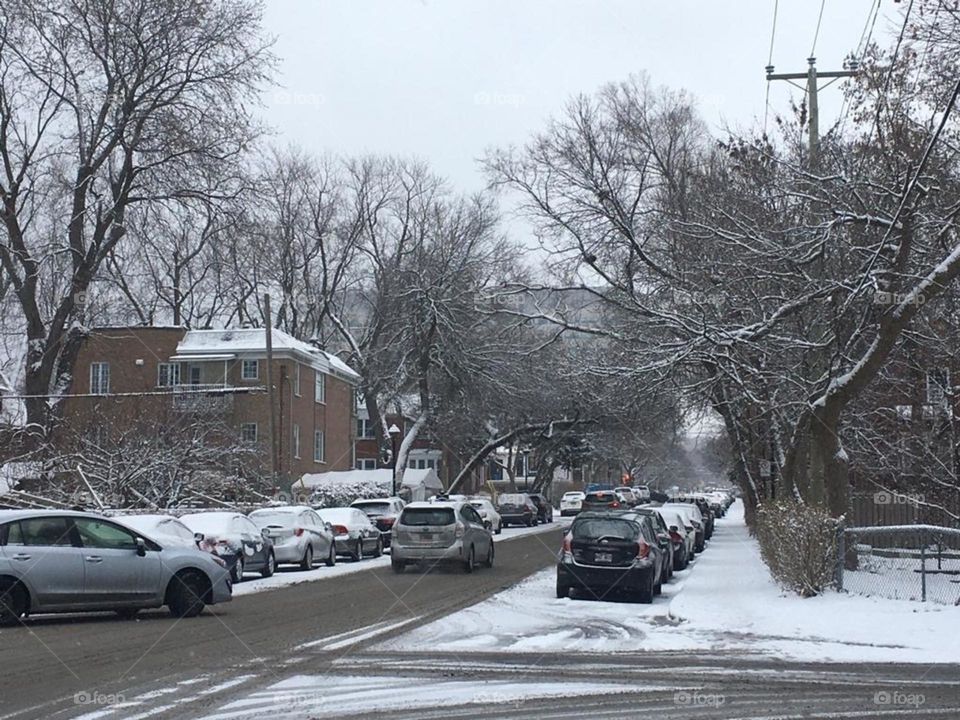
(426, 536)
(603, 557)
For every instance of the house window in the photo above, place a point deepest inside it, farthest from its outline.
(938, 381)
(365, 429)
(366, 464)
(248, 432)
(250, 370)
(319, 448)
(99, 378)
(296, 441)
(168, 374)
(320, 387)
(296, 379)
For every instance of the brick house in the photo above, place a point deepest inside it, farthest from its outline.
(173, 375)
(424, 455)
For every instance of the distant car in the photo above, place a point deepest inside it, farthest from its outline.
(353, 531)
(383, 512)
(488, 513)
(544, 507)
(662, 532)
(241, 544)
(166, 529)
(602, 500)
(607, 553)
(692, 514)
(441, 532)
(682, 534)
(517, 509)
(643, 492)
(59, 561)
(628, 497)
(298, 534)
(571, 503)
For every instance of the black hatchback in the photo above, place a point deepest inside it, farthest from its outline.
(605, 553)
(544, 507)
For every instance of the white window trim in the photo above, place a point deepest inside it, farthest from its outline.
(296, 441)
(322, 459)
(320, 383)
(168, 365)
(243, 370)
(296, 379)
(256, 431)
(96, 370)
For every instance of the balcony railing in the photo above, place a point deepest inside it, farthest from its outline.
(207, 399)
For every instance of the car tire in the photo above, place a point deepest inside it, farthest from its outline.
(499, 529)
(488, 563)
(270, 567)
(185, 597)
(236, 572)
(645, 594)
(378, 550)
(398, 565)
(357, 553)
(563, 591)
(14, 602)
(470, 564)
(307, 562)
(332, 558)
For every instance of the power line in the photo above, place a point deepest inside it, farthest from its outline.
(773, 33)
(816, 34)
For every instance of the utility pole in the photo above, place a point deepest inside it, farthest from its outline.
(812, 77)
(271, 394)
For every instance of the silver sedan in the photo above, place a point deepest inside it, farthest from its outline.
(299, 535)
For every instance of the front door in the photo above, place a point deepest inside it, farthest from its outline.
(113, 571)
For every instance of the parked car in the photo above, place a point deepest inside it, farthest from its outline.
(488, 513)
(165, 529)
(571, 503)
(606, 552)
(58, 561)
(692, 513)
(664, 540)
(298, 534)
(517, 509)
(601, 500)
(544, 507)
(383, 513)
(629, 498)
(683, 535)
(355, 535)
(704, 506)
(441, 532)
(241, 544)
(642, 492)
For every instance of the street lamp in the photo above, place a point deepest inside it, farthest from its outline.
(394, 432)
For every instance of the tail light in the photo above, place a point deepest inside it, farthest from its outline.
(675, 536)
(459, 531)
(642, 550)
(387, 522)
(298, 532)
(614, 504)
(567, 544)
(339, 530)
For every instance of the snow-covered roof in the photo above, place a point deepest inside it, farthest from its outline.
(254, 341)
(412, 477)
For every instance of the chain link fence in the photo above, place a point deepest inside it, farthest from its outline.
(903, 562)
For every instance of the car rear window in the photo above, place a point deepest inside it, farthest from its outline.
(262, 518)
(373, 508)
(600, 496)
(512, 500)
(427, 516)
(605, 527)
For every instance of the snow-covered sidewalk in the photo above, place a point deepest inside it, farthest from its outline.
(725, 602)
(288, 575)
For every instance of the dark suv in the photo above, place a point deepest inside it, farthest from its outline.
(601, 500)
(544, 507)
(517, 509)
(607, 553)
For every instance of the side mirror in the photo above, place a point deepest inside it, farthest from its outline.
(264, 533)
(198, 538)
(674, 528)
(141, 547)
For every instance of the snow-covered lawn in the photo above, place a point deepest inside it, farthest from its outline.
(726, 601)
(288, 575)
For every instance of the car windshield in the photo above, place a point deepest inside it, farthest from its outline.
(272, 517)
(572, 495)
(512, 500)
(605, 528)
(427, 516)
(373, 508)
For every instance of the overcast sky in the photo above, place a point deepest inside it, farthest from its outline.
(445, 79)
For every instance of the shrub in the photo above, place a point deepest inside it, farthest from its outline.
(799, 545)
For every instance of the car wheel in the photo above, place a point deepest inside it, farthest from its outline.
(127, 613)
(378, 550)
(185, 596)
(470, 564)
(645, 595)
(270, 567)
(13, 603)
(398, 565)
(236, 572)
(357, 554)
(563, 591)
(658, 588)
(489, 561)
(332, 559)
(307, 562)
(499, 528)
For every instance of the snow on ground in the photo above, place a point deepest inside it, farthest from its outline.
(726, 601)
(330, 696)
(287, 575)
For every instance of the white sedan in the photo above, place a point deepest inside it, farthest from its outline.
(571, 503)
(491, 518)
